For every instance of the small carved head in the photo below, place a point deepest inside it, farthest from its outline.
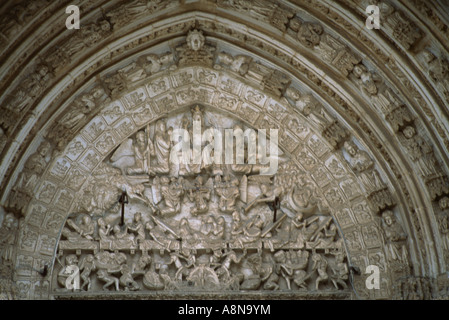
(350, 147)
(388, 217)
(444, 203)
(409, 132)
(195, 40)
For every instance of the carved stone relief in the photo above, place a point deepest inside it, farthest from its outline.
(197, 226)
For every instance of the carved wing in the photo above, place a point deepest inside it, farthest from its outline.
(156, 191)
(243, 187)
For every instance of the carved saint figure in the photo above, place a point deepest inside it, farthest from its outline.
(200, 195)
(162, 145)
(395, 238)
(229, 192)
(8, 234)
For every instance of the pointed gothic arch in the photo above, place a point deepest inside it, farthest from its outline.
(276, 50)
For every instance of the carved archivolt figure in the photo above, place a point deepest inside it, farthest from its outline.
(8, 234)
(395, 238)
(420, 152)
(34, 167)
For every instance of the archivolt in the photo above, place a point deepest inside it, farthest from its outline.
(308, 73)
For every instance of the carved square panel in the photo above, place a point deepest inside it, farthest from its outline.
(36, 214)
(134, 98)
(226, 101)
(23, 289)
(249, 113)
(124, 128)
(321, 176)
(227, 84)
(144, 113)
(345, 218)
(306, 159)
(60, 167)
(54, 221)
(28, 239)
(350, 188)
(46, 244)
(288, 141)
(94, 128)
(165, 104)
(90, 159)
(207, 77)
(76, 148)
(113, 112)
(24, 265)
(105, 143)
(334, 197)
(47, 191)
(354, 240)
(334, 166)
(76, 178)
(276, 110)
(362, 212)
(255, 97)
(371, 236)
(183, 77)
(63, 199)
(297, 126)
(158, 86)
(318, 147)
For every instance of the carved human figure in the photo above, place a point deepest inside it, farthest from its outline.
(183, 269)
(127, 279)
(200, 196)
(339, 272)
(172, 194)
(395, 238)
(143, 149)
(420, 152)
(104, 276)
(84, 229)
(87, 265)
(312, 110)
(229, 192)
(269, 276)
(309, 34)
(103, 229)
(162, 145)
(320, 264)
(239, 63)
(34, 167)
(68, 276)
(138, 228)
(283, 268)
(8, 234)
(366, 80)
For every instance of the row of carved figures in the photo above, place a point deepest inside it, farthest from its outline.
(222, 269)
(316, 231)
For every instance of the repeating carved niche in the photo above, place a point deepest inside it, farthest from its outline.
(198, 225)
